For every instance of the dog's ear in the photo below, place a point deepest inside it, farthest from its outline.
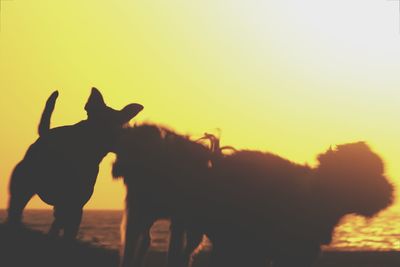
(95, 101)
(130, 111)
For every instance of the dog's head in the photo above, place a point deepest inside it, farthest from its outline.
(102, 115)
(106, 121)
(351, 179)
(138, 147)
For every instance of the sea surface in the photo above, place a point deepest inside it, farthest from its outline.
(102, 228)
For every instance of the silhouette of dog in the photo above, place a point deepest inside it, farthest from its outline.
(262, 207)
(162, 171)
(255, 207)
(62, 165)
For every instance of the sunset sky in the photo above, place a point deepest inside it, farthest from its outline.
(291, 77)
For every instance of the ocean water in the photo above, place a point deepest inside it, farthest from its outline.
(353, 234)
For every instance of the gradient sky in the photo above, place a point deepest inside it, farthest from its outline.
(291, 77)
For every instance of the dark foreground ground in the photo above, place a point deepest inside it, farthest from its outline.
(20, 248)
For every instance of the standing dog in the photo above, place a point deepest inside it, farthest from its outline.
(62, 165)
(163, 172)
(266, 207)
(253, 206)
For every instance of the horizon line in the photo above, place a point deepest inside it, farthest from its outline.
(50, 209)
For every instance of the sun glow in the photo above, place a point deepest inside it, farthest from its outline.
(291, 77)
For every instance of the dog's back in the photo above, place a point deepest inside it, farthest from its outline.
(286, 211)
(158, 165)
(64, 162)
(253, 182)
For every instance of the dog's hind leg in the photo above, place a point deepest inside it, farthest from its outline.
(193, 240)
(144, 245)
(176, 244)
(21, 192)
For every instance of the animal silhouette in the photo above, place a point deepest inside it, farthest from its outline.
(161, 170)
(260, 207)
(255, 207)
(62, 165)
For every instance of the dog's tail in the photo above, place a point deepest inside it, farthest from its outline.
(44, 125)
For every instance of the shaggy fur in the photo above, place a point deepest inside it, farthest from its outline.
(62, 165)
(162, 171)
(255, 207)
(270, 208)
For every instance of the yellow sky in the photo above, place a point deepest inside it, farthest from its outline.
(291, 77)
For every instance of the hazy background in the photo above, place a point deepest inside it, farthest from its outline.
(291, 77)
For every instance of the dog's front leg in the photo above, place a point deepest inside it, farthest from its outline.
(71, 220)
(56, 226)
(135, 241)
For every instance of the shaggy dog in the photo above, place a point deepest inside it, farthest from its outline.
(266, 207)
(62, 165)
(255, 207)
(162, 172)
